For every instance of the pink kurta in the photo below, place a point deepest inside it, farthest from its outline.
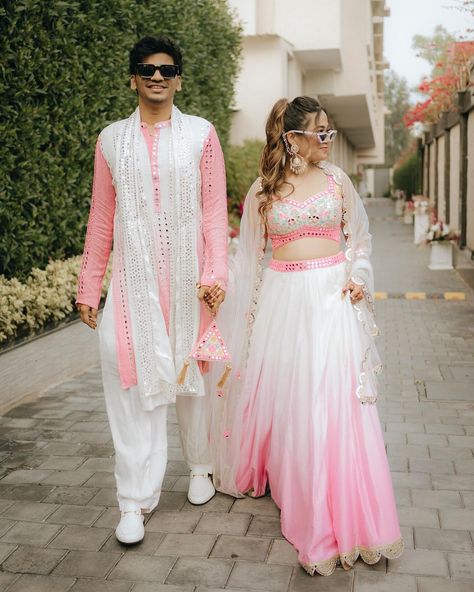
(211, 243)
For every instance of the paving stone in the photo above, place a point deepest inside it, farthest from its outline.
(437, 466)
(173, 522)
(30, 583)
(408, 537)
(77, 477)
(427, 498)
(398, 463)
(147, 587)
(219, 523)
(61, 449)
(265, 526)
(419, 562)
(105, 497)
(87, 564)
(142, 568)
(461, 566)
(468, 499)
(219, 503)
(282, 553)
(148, 546)
(91, 437)
(5, 525)
(199, 571)
(100, 464)
(5, 504)
(440, 428)
(449, 453)
(31, 533)
(90, 426)
(191, 545)
(101, 479)
(462, 519)
(6, 580)
(442, 585)
(402, 496)
(241, 548)
(24, 476)
(26, 492)
(33, 560)
(464, 467)
(80, 515)
(88, 585)
(381, 582)
(412, 516)
(108, 519)
(339, 581)
(80, 538)
(171, 500)
(412, 451)
(453, 482)
(442, 539)
(428, 439)
(262, 506)
(71, 495)
(62, 463)
(412, 480)
(6, 550)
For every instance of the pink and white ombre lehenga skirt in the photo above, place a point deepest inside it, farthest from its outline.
(304, 432)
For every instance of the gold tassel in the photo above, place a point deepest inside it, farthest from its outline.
(182, 375)
(223, 379)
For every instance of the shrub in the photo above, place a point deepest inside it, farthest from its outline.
(242, 164)
(407, 174)
(63, 77)
(46, 295)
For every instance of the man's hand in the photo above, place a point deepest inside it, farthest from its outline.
(88, 315)
(212, 296)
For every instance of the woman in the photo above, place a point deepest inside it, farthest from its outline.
(298, 414)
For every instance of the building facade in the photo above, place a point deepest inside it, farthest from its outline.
(329, 49)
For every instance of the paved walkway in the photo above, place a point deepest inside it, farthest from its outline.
(57, 498)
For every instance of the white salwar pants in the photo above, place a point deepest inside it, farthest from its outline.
(139, 436)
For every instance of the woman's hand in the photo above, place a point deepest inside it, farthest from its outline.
(355, 291)
(88, 315)
(212, 296)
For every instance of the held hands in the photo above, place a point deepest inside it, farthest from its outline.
(88, 315)
(212, 296)
(355, 291)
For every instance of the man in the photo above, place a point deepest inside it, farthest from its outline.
(159, 194)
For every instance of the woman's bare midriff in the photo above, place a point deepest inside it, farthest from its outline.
(307, 248)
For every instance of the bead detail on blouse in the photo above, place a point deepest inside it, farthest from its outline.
(318, 216)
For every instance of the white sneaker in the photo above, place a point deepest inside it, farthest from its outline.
(130, 528)
(201, 489)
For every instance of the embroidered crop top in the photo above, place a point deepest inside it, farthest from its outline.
(318, 216)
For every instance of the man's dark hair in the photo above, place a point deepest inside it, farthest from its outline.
(150, 45)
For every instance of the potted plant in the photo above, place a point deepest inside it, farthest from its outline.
(440, 237)
(408, 212)
(422, 218)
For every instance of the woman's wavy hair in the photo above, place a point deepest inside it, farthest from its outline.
(284, 116)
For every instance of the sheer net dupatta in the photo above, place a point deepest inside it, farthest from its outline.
(359, 269)
(235, 319)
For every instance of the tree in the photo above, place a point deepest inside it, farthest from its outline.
(433, 49)
(397, 101)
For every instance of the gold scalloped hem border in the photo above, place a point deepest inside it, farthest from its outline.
(347, 560)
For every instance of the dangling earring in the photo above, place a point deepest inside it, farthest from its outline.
(297, 163)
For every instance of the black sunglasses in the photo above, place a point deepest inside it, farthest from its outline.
(166, 70)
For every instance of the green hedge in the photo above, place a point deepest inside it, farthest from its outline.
(407, 174)
(63, 77)
(242, 164)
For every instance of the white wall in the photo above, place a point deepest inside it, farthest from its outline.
(441, 192)
(470, 182)
(454, 209)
